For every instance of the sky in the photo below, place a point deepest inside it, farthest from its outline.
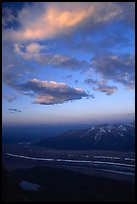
(67, 62)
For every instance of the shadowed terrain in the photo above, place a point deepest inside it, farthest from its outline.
(60, 185)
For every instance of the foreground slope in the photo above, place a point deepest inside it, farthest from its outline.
(60, 185)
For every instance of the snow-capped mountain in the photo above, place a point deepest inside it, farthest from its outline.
(107, 136)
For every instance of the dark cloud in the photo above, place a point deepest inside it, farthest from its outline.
(90, 81)
(51, 92)
(106, 89)
(14, 110)
(101, 86)
(118, 68)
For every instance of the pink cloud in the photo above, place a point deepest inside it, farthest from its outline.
(52, 19)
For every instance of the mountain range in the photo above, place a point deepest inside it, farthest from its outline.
(115, 136)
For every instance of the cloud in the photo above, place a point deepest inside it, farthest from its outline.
(50, 92)
(32, 52)
(29, 51)
(10, 98)
(128, 13)
(62, 61)
(33, 48)
(14, 69)
(53, 19)
(118, 68)
(105, 88)
(13, 110)
(90, 81)
(101, 86)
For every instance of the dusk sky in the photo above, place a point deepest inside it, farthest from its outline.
(68, 62)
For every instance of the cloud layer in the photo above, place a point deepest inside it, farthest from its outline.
(33, 52)
(25, 38)
(54, 19)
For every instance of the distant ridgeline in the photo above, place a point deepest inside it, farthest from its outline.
(116, 136)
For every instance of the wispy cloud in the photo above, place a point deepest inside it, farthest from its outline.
(14, 110)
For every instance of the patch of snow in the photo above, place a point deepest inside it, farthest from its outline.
(97, 137)
(113, 163)
(102, 157)
(75, 161)
(92, 128)
(107, 157)
(31, 158)
(102, 130)
(124, 129)
(130, 125)
(129, 159)
(120, 126)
